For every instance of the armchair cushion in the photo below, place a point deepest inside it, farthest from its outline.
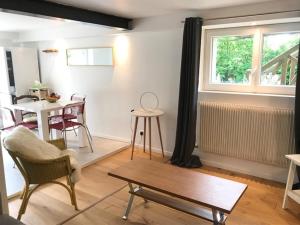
(29, 118)
(74, 163)
(26, 143)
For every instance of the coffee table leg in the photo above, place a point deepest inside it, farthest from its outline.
(145, 200)
(218, 217)
(130, 201)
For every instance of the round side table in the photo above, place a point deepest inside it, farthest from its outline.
(147, 115)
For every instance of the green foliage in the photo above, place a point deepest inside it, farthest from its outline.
(269, 53)
(234, 54)
(234, 58)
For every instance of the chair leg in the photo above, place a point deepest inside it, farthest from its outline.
(89, 140)
(89, 133)
(65, 137)
(75, 131)
(24, 202)
(69, 183)
(73, 195)
(22, 194)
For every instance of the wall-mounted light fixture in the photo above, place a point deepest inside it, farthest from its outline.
(50, 50)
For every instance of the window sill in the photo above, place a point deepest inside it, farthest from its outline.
(246, 94)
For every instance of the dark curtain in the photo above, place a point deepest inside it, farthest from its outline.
(188, 95)
(297, 117)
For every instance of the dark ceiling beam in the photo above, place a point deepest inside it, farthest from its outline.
(41, 8)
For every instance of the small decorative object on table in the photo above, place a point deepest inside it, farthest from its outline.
(147, 98)
(38, 89)
(53, 97)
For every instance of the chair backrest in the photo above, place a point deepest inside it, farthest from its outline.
(37, 171)
(18, 162)
(25, 98)
(33, 171)
(73, 108)
(7, 114)
(76, 97)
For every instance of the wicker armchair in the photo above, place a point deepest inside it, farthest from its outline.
(40, 172)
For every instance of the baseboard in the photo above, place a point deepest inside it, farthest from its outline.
(114, 138)
(138, 145)
(256, 169)
(265, 171)
(154, 149)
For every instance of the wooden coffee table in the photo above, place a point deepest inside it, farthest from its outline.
(177, 188)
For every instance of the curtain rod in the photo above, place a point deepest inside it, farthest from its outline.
(244, 16)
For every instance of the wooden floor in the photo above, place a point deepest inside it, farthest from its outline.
(102, 200)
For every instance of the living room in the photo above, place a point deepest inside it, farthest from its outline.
(146, 72)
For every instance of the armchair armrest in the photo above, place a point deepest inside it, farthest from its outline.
(59, 143)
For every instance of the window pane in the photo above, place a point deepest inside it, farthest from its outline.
(279, 59)
(232, 59)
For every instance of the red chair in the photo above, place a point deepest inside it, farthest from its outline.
(71, 114)
(6, 112)
(75, 97)
(66, 121)
(27, 116)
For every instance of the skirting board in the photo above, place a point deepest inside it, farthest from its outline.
(232, 164)
(265, 171)
(138, 145)
(114, 138)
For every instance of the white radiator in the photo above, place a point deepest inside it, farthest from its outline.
(247, 132)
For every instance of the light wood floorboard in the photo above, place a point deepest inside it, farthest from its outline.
(261, 204)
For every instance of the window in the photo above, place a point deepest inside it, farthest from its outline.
(261, 59)
(279, 59)
(232, 59)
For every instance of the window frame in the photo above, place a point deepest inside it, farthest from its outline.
(258, 33)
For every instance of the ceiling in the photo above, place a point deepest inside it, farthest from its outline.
(14, 22)
(126, 8)
(147, 8)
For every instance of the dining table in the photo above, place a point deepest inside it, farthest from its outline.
(43, 109)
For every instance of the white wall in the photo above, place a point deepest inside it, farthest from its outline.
(147, 59)
(144, 61)
(7, 39)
